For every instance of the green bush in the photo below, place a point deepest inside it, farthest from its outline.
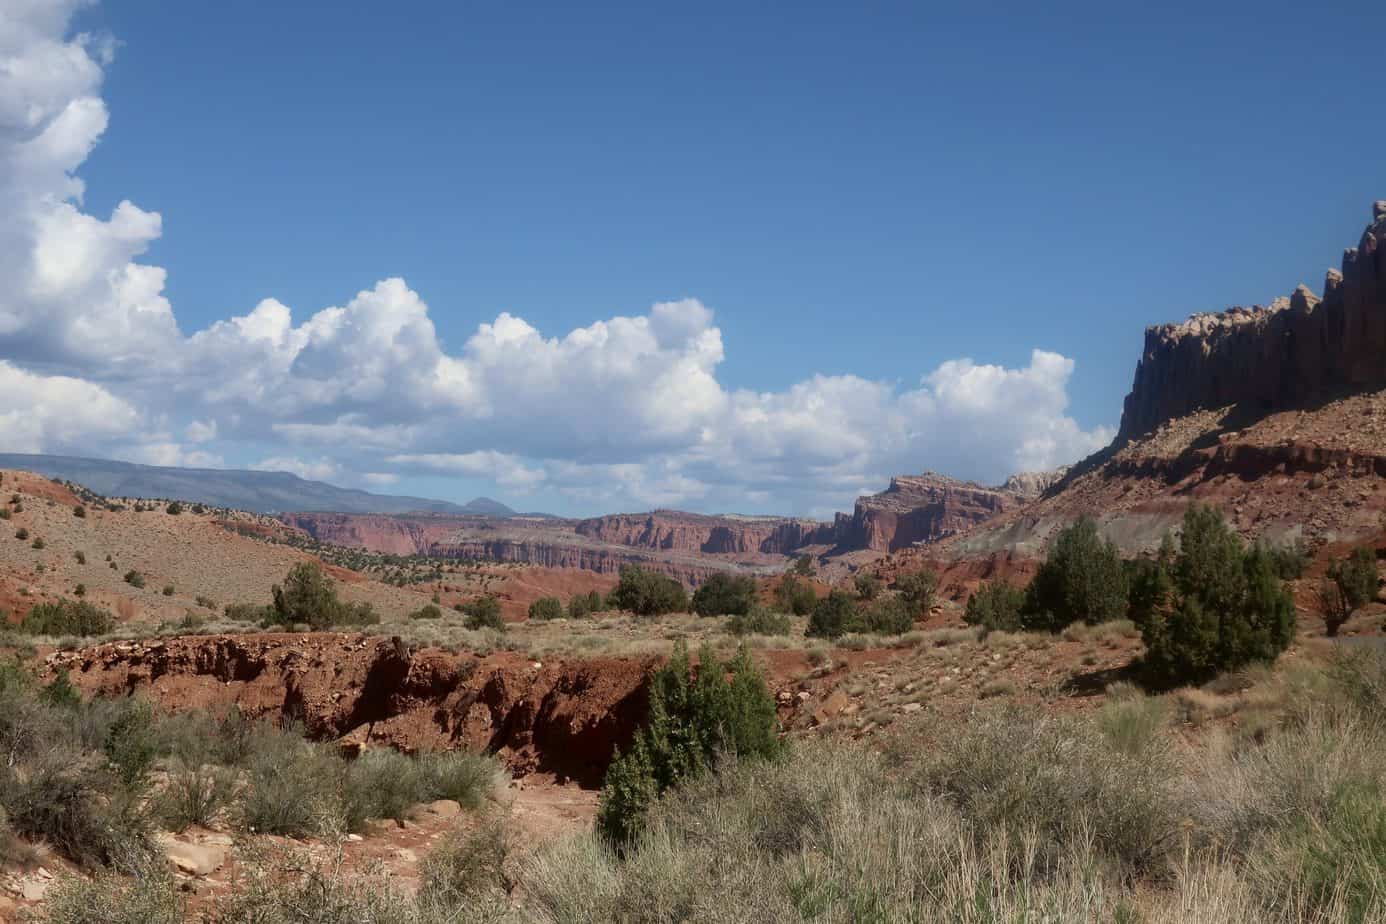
(546, 608)
(79, 512)
(67, 617)
(168, 590)
(39, 543)
(80, 556)
(249, 612)
(583, 605)
(427, 611)
(483, 613)
(760, 620)
(917, 589)
(134, 578)
(995, 606)
(890, 616)
(867, 584)
(647, 593)
(1082, 580)
(795, 596)
(725, 708)
(309, 597)
(803, 566)
(1350, 584)
(175, 508)
(724, 595)
(21, 534)
(1213, 606)
(142, 892)
(833, 616)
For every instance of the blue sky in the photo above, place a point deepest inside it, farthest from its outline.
(856, 195)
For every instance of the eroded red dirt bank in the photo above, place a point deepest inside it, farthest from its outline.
(563, 717)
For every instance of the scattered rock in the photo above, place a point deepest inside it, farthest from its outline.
(194, 859)
(444, 808)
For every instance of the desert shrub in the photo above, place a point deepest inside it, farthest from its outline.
(168, 590)
(1132, 721)
(546, 608)
(129, 743)
(291, 788)
(194, 795)
(66, 802)
(134, 578)
(1349, 585)
(724, 595)
(760, 620)
(380, 784)
(80, 556)
(38, 543)
(803, 566)
(4, 513)
(647, 593)
(205, 602)
(249, 612)
(464, 865)
(67, 617)
(795, 596)
(832, 616)
(21, 534)
(79, 512)
(1081, 580)
(309, 596)
(465, 777)
(917, 589)
(725, 708)
(890, 616)
(1213, 606)
(61, 692)
(140, 892)
(79, 591)
(483, 613)
(1014, 774)
(174, 509)
(995, 606)
(867, 584)
(583, 605)
(427, 611)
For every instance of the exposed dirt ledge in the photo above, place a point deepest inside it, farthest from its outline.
(563, 717)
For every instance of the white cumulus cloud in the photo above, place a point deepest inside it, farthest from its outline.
(622, 412)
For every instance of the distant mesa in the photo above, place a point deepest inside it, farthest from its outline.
(257, 492)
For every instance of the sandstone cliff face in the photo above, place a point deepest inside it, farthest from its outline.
(921, 508)
(1299, 348)
(672, 530)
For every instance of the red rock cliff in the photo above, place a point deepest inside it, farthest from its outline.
(1299, 348)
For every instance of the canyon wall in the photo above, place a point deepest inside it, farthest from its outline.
(672, 530)
(1297, 350)
(922, 508)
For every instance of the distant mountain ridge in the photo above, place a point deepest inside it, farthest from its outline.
(258, 492)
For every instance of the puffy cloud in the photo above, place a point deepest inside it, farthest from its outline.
(623, 412)
(320, 470)
(53, 412)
